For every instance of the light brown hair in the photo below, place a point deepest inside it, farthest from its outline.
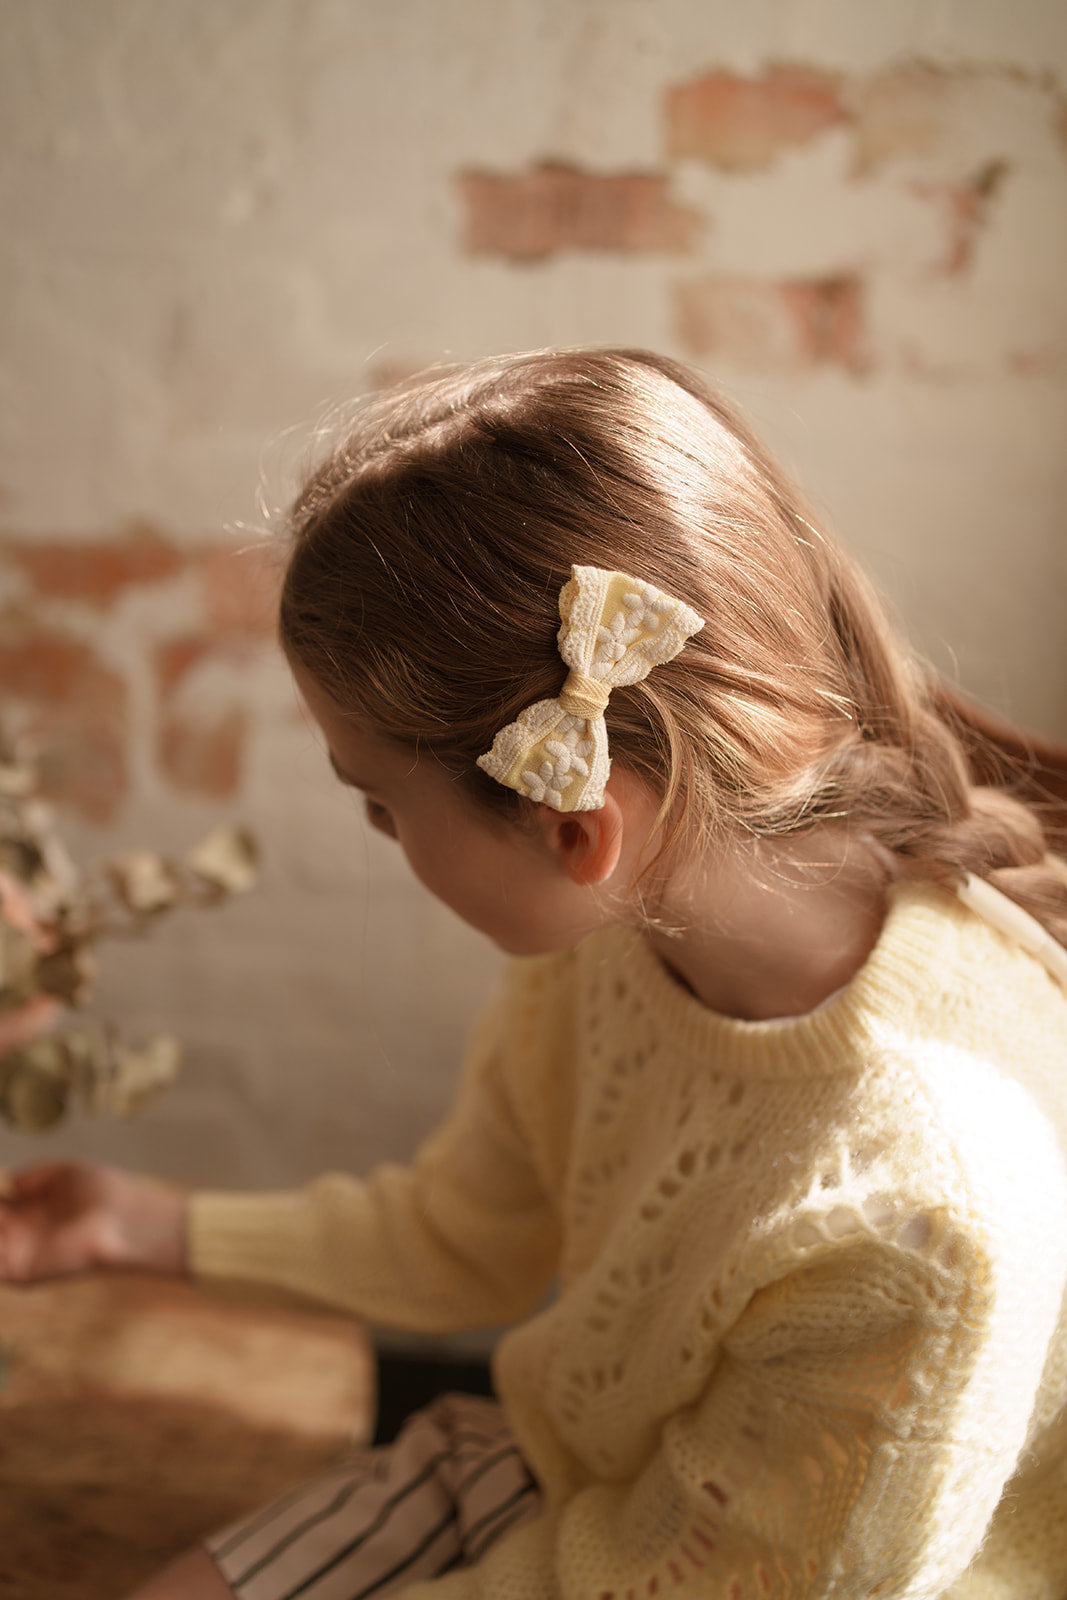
(430, 546)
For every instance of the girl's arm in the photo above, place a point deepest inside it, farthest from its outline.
(465, 1236)
(442, 1245)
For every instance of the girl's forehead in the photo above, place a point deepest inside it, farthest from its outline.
(363, 759)
(359, 756)
(356, 753)
(367, 762)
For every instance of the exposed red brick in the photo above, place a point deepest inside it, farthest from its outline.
(827, 314)
(1034, 363)
(734, 319)
(204, 759)
(95, 572)
(527, 216)
(903, 113)
(966, 212)
(176, 657)
(73, 710)
(741, 124)
(199, 753)
(241, 590)
(782, 327)
(965, 208)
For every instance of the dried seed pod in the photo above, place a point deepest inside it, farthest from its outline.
(67, 972)
(22, 858)
(36, 1085)
(144, 880)
(34, 1101)
(18, 966)
(87, 1061)
(17, 778)
(227, 859)
(137, 1075)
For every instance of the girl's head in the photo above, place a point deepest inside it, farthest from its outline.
(431, 545)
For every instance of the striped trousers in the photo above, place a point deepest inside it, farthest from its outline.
(452, 1483)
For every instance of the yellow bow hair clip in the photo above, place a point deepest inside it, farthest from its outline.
(615, 630)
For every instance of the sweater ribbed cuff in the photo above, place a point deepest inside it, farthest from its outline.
(257, 1238)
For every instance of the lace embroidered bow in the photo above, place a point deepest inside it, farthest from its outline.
(615, 630)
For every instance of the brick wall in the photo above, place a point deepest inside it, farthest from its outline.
(219, 221)
(95, 628)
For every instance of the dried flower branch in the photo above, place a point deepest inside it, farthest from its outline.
(50, 914)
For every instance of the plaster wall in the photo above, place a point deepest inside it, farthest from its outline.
(219, 220)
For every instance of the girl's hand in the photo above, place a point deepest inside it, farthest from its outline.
(68, 1217)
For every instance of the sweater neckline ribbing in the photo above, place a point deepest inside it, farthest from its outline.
(909, 956)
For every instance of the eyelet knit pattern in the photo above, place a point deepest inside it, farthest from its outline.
(809, 1337)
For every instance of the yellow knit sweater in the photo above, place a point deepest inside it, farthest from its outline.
(809, 1338)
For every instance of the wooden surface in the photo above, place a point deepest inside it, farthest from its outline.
(137, 1414)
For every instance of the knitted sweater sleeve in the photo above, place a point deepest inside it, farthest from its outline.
(827, 1453)
(463, 1237)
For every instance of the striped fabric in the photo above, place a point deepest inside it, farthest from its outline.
(436, 1499)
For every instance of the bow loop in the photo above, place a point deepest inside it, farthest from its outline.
(615, 629)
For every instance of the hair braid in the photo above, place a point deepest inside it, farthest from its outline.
(933, 783)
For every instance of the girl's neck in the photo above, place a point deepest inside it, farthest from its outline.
(767, 933)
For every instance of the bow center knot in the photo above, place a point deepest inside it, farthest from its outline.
(582, 696)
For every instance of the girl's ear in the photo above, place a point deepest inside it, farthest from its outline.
(586, 844)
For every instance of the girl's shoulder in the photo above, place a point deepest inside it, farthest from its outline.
(970, 966)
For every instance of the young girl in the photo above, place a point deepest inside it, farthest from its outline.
(775, 1091)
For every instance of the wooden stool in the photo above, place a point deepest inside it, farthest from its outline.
(138, 1412)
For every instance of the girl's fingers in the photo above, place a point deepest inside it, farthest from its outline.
(44, 1222)
(28, 1180)
(30, 1248)
(40, 1180)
